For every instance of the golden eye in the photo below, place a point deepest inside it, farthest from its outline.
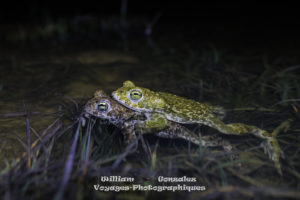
(102, 106)
(136, 95)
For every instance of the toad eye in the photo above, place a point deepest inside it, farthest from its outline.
(102, 106)
(136, 95)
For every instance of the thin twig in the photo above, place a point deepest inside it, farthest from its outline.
(75, 103)
(28, 137)
(262, 109)
(87, 152)
(18, 114)
(284, 101)
(244, 177)
(69, 164)
(126, 152)
(284, 125)
(43, 138)
(7, 195)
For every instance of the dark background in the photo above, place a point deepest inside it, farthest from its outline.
(254, 16)
(242, 55)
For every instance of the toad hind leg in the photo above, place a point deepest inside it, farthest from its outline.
(174, 130)
(272, 147)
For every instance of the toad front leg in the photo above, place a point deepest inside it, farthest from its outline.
(128, 132)
(154, 122)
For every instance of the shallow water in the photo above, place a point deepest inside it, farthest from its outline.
(43, 82)
(50, 80)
